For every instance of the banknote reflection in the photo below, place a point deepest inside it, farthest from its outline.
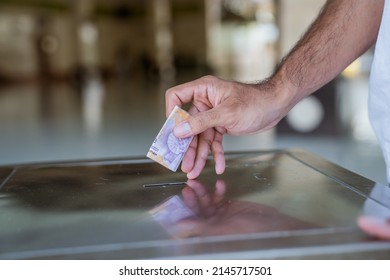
(200, 212)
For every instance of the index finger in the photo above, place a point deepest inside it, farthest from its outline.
(182, 94)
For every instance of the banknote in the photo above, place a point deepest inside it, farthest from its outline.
(167, 149)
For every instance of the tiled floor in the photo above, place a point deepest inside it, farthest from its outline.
(118, 119)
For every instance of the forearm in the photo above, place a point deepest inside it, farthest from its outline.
(343, 31)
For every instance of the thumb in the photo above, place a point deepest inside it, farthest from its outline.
(198, 123)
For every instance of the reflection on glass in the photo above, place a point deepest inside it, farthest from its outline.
(93, 97)
(170, 212)
(199, 212)
(107, 209)
(375, 220)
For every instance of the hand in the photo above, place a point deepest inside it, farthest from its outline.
(220, 107)
(215, 215)
(376, 227)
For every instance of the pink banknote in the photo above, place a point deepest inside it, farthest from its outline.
(167, 149)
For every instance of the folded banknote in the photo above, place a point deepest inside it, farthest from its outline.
(167, 149)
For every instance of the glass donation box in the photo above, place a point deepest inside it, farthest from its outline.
(282, 204)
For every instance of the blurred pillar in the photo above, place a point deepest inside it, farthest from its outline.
(43, 48)
(294, 17)
(89, 73)
(213, 17)
(163, 38)
(278, 23)
(87, 35)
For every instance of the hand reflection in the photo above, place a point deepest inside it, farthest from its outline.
(213, 214)
(375, 219)
(204, 204)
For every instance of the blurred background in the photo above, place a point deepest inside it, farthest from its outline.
(86, 79)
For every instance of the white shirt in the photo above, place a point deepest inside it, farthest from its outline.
(379, 97)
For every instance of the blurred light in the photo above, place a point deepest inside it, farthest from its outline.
(307, 115)
(93, 97)
(88, 33)
(353, 69)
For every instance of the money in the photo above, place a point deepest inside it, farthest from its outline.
(167, 149)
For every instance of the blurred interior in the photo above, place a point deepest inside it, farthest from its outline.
(86, 79)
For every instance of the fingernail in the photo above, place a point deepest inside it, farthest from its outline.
(182, 130)
(219, 168)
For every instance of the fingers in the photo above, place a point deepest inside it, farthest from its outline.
(203, 118)
(190, 156)
(199, 122)
(182, 94)
(197, 154)
(218, 153)
(205, 140)
(374, 226)
(202, 93)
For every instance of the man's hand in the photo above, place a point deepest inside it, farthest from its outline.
(220, 107)
(342, 32)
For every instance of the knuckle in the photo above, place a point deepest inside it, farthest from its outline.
(209, 79)
(204, 157)
(208, 141)
(169, 92)
(198, 123)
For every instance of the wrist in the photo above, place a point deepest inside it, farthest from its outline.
(284, 95)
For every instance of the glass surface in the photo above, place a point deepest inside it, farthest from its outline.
(137, 209)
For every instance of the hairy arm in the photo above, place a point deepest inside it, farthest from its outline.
(343, 31)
